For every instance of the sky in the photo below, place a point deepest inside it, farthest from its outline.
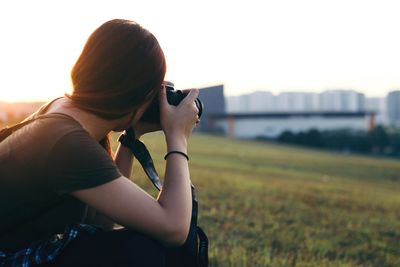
(298, 45)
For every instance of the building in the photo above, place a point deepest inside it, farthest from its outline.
(213, 100)
(296, 102)
(262, 114)
(233, 103)
(378, 106)
(259, 101)
(271, 125)
(393, 107)
(330, 101)
(263, 101)
(342, 100)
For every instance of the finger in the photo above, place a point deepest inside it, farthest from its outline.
(186, 91)
(191, 96)
(196, 107)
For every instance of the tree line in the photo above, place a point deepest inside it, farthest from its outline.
(376, 141)
(12, 119)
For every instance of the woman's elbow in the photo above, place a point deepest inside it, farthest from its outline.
(176, 235)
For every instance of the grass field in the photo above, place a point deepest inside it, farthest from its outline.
(272, 205)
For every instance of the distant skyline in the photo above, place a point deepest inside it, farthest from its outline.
(286, 45)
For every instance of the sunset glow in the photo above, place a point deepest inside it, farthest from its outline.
(247, 45)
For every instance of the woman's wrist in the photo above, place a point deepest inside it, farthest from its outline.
(177, 143)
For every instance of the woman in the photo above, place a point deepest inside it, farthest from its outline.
(55, 167)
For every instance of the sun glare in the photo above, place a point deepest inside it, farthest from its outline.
(34, 90)
(286, 45)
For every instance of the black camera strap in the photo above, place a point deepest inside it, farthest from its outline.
(143, 156)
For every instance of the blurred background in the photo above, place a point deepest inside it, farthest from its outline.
(302, 100)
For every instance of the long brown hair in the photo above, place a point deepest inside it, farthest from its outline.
(120, 67)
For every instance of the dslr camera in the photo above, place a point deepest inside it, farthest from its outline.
(174, 97)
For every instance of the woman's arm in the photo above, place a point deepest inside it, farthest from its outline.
(124, 160)
(95, 217)
(166, 218)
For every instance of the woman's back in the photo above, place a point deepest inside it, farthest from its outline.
(40, 164)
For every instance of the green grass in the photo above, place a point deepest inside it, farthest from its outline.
(264, 204)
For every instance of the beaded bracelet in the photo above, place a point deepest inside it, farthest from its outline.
(177, 152)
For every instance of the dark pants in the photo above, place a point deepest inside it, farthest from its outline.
(112, 248)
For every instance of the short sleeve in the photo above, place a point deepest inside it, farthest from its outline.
(78, 162)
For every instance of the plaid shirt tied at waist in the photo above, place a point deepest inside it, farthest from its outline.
(46, 250)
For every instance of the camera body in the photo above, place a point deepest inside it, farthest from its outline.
(174, 97)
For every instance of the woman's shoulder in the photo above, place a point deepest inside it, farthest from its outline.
(43, 132)
(53, 124)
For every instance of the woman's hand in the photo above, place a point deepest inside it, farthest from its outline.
(142, 128)
(177, 122)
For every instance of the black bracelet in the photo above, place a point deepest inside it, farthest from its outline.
(177, 152)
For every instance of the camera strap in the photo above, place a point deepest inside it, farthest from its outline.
(143, 156)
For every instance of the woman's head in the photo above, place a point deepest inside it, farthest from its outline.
(121, 67)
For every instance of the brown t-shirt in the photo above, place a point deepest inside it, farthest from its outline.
(39, 165)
